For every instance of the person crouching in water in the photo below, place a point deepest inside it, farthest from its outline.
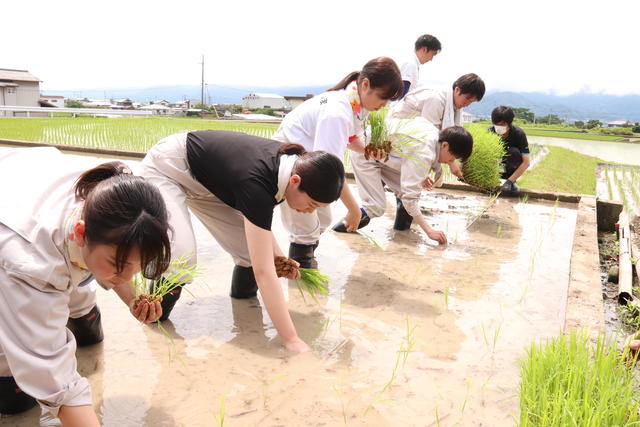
(55, 238)
(232, 182)
(406, 175)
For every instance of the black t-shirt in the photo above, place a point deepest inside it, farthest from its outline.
(239, 169)
(516, 138)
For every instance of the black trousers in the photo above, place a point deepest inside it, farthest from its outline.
(511, 161)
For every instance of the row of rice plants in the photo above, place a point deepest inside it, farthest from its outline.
(134, 134)
(623, 184)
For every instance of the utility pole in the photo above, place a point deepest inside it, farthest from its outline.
(202, 83)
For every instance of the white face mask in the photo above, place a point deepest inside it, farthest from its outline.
(500, 130)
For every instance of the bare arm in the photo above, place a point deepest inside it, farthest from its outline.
(78, 416)
(352, 219)
(526, 161)
(436, 235)
(260, 243)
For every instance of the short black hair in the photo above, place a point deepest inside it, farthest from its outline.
(459, 139)
(502, 114)
(470, 83)
(428, 41)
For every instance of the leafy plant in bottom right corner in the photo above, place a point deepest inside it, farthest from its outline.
(482, 168)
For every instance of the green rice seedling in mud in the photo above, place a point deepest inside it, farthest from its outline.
(220, 416)
(482, 169)
(570, 381)
(490, 201)
(406, 347)
(340, 395)
(370, 238)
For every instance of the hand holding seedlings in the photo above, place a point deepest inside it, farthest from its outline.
(437, 235)
(145, 308)
(287, 267)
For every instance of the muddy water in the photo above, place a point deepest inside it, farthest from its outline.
(618, 152)
(469, 309)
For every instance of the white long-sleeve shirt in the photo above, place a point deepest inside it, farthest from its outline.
(418, 159)
(325, 122)
(435, 105)
(36, 274)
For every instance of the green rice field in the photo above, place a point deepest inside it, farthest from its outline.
(133, 134)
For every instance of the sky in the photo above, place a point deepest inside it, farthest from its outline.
(560, 46)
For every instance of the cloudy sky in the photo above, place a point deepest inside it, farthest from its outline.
(560, 46)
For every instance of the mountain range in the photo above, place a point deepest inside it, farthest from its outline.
(579, 106)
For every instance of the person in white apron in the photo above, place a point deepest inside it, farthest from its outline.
(62, 226)
(331, 122)
(232, 182)
(407, 174)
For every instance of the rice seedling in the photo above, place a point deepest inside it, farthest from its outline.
(406, 347)
(180, 271)
(499, 231)
(524, 199)
(568, 381)
(490, 201)
(219, 417)
(340, 395)
(392, 135)
(313, 282)
(370, 238)
(482, 168)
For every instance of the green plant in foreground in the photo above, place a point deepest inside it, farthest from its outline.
(219, 418)
(569, 381)
(482, 168)
(312, 282)
(180, 271)
(406, 347)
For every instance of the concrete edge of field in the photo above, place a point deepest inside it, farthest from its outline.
(584, 294)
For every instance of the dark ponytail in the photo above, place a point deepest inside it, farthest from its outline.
(124, 210)
(382, 73)
(322, 175)
(291, 148)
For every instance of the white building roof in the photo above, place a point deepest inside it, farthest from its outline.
(155, 107)
(618, 122)
(17, 75)
(267, 95)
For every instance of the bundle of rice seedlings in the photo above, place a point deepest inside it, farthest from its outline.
(482, 169)
(180, 271)
(312, 282)
(284, 266)
(390, 135)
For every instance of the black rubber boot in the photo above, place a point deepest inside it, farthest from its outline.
(12, 399)
(341, 227)
(88, 328)
(243, 283)
(403, 219)
(168, 301)
(304, 254)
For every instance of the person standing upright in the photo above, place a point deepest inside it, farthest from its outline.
(425, 49)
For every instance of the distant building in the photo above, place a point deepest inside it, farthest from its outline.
(264, 100)
(19, 88)
(122, 103)
(618, 124)
(294, 101)
(468, 117)
(157, 109)
(51, 101)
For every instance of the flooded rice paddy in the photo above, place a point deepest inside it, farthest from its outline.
(411, 334)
